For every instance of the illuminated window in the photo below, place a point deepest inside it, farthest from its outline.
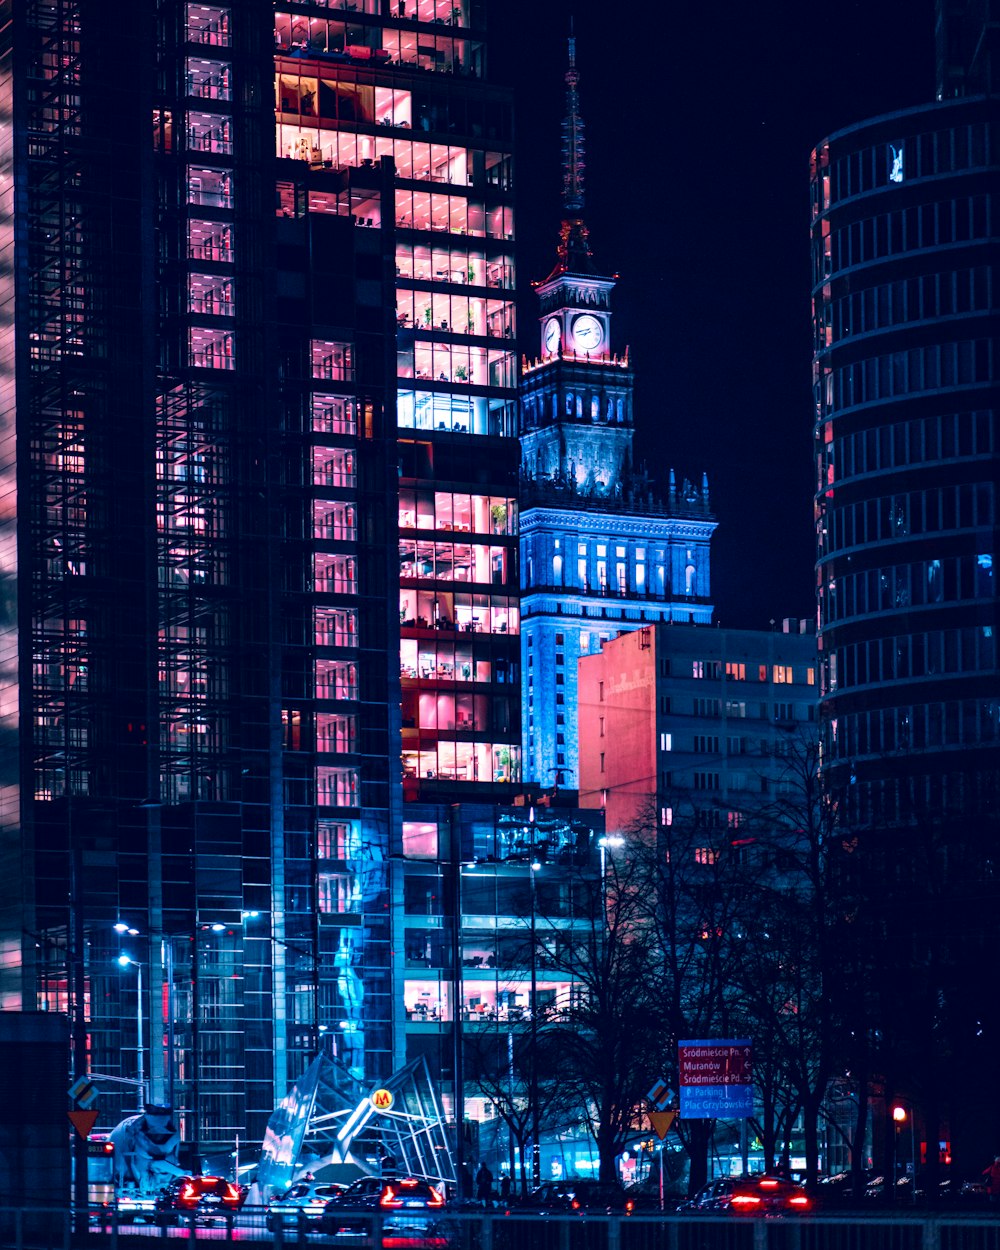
(210, 240)
(666, 742)
(338, 893)
(338, 839)
(209, 24)
(206, 79)
(697, 668)
(335, 627)
(335, 574)
(211, 349)
(782, 674)
(333, 414)
(211, 295)
(420, 839)
(163, 130)
(332, 361)
(291, 724)
(336, 679)
(335, 732)
(210, 132)
(705, 855)
(334, 521)
(735, 671)
(211, 187)
(333, 466)
(337, 787)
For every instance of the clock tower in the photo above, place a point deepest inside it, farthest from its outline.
(577, 397)
(600, 552)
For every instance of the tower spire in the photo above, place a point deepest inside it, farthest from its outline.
(574, 247)
(573, 144)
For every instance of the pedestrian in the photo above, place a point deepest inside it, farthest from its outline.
(484, 1184)
(992, 1175)
(504, 1187)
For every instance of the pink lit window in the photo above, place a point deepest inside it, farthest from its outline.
(211, 349)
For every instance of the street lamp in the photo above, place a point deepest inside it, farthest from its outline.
(125, 961)
(899, 1118)
(162, 1084)
(612, 841)
(536, 1149)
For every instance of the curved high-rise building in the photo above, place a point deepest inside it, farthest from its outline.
(905, 222)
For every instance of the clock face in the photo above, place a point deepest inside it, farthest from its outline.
(588, 333)
(553, 335)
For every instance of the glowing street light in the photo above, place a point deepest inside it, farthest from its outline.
(126, 961)
(899, 1118)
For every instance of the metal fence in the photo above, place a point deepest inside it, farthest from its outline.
(59, 1229)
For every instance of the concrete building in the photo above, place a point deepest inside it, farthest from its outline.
(682, 723)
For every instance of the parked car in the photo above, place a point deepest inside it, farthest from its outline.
(579, 1195)
(207, 1198)
(749, 1195)
(410, 1209)
(302, 1204)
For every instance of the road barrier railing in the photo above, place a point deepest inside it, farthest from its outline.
(56, 1228)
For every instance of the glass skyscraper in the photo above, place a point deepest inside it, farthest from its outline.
(260, 460)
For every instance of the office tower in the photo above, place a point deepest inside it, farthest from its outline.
(904, 225)
(694, 726)
(600, 551)
(231, 228)
(906, 410)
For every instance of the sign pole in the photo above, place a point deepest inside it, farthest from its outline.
(661, 1175)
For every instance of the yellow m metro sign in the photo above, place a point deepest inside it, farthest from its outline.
(381, 1100)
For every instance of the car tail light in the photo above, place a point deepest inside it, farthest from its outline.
(799, 1200)
(745, 1200)
(629, 1205)
(389, 1198)
(575, 1204)
(407, 1182)
(390, 1242)
(188, 1192)
(436, 1199)
(232, 1194)
(769, 1184)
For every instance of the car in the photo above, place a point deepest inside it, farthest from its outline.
(302, 1204)
(573, 1194)
(207, 1198)
(749, 1195)
(132, 1206)
(410, 1208)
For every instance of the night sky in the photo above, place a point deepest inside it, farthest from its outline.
(699, 122)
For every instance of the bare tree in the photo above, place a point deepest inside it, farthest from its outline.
(607, 1029)
(508, 1067)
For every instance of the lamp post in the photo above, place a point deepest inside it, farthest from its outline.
(612, 841)
(899, 1118)
(125, 961)
(536, 1149)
